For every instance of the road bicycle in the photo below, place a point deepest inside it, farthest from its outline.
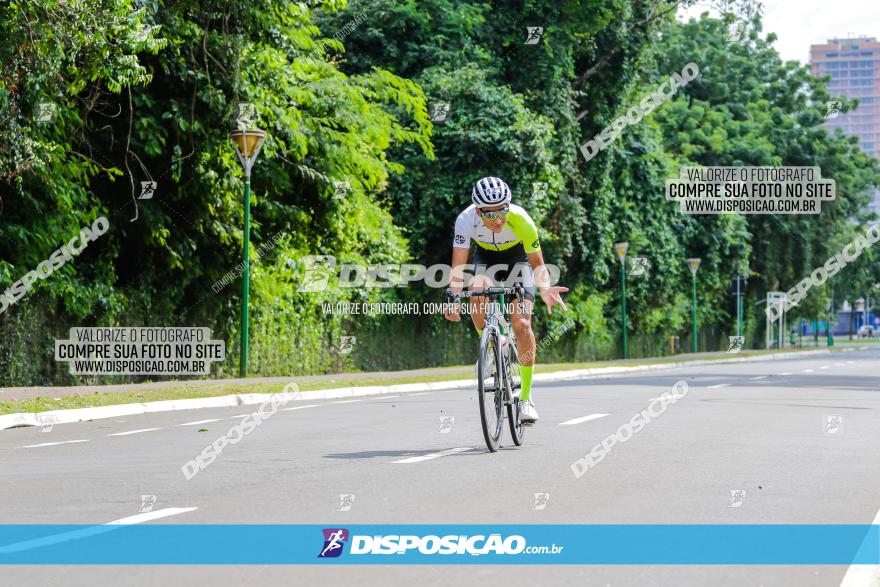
(498, 380)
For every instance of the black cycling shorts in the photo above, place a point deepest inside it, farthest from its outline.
(507, 266)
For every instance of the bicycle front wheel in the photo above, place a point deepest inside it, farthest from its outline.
(514, 388)
(490, 390)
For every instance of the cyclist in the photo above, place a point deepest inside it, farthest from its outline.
(505, 235)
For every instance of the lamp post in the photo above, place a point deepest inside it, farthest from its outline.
(620, 249)
(247, 146)
(693, 265)
(832, 316)
(740, 291)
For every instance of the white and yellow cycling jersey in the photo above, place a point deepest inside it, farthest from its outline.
(519, 228)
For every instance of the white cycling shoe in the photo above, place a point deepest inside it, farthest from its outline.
(528, 415)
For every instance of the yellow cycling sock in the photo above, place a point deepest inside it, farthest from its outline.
(525, 375)
(479, 332)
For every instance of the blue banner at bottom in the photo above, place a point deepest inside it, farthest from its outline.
(436, 544)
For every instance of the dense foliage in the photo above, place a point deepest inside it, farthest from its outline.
(149, 90)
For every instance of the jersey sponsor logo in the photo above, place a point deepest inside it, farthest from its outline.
(536, 244)
(334, 540)
(459, 239)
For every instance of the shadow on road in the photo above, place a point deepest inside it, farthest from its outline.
(369, 454)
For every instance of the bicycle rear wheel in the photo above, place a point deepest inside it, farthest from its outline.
(490, 389)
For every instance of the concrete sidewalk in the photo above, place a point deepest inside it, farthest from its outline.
(291, 392)
(33, 392)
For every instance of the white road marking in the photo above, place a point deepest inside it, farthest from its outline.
(200, 422)
(300, 407)
(52, 443)
(784, 374)
(758, 377)
(838, 364)
(422, 393)
(719, 385)
(134, 432)
(824, 367)
(580, 420)
(863, 575)
(239, 416)
(434, 455)
(92, 530)
(347, 401)
(385, 397)
(807, 371)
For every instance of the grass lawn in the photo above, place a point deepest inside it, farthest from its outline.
(189, 391)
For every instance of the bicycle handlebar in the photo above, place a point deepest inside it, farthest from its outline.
(518, 290)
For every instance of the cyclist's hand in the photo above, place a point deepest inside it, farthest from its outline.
(453, 312)
(551, 297)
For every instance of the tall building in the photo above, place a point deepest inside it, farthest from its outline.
(854, 66)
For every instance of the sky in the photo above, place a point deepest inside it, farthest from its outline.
(800, 23)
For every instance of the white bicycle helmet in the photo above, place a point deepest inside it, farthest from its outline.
(490, 191)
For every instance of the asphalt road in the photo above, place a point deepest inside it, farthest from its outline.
(759, 427)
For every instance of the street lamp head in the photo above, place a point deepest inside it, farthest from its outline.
(620, 249)
(693, 265)
(248, 143)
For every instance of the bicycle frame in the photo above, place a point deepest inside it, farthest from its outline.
(501, 370)
(495, 328)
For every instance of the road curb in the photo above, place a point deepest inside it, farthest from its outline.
(97, 413)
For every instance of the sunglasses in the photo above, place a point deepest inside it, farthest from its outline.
(493, 214)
